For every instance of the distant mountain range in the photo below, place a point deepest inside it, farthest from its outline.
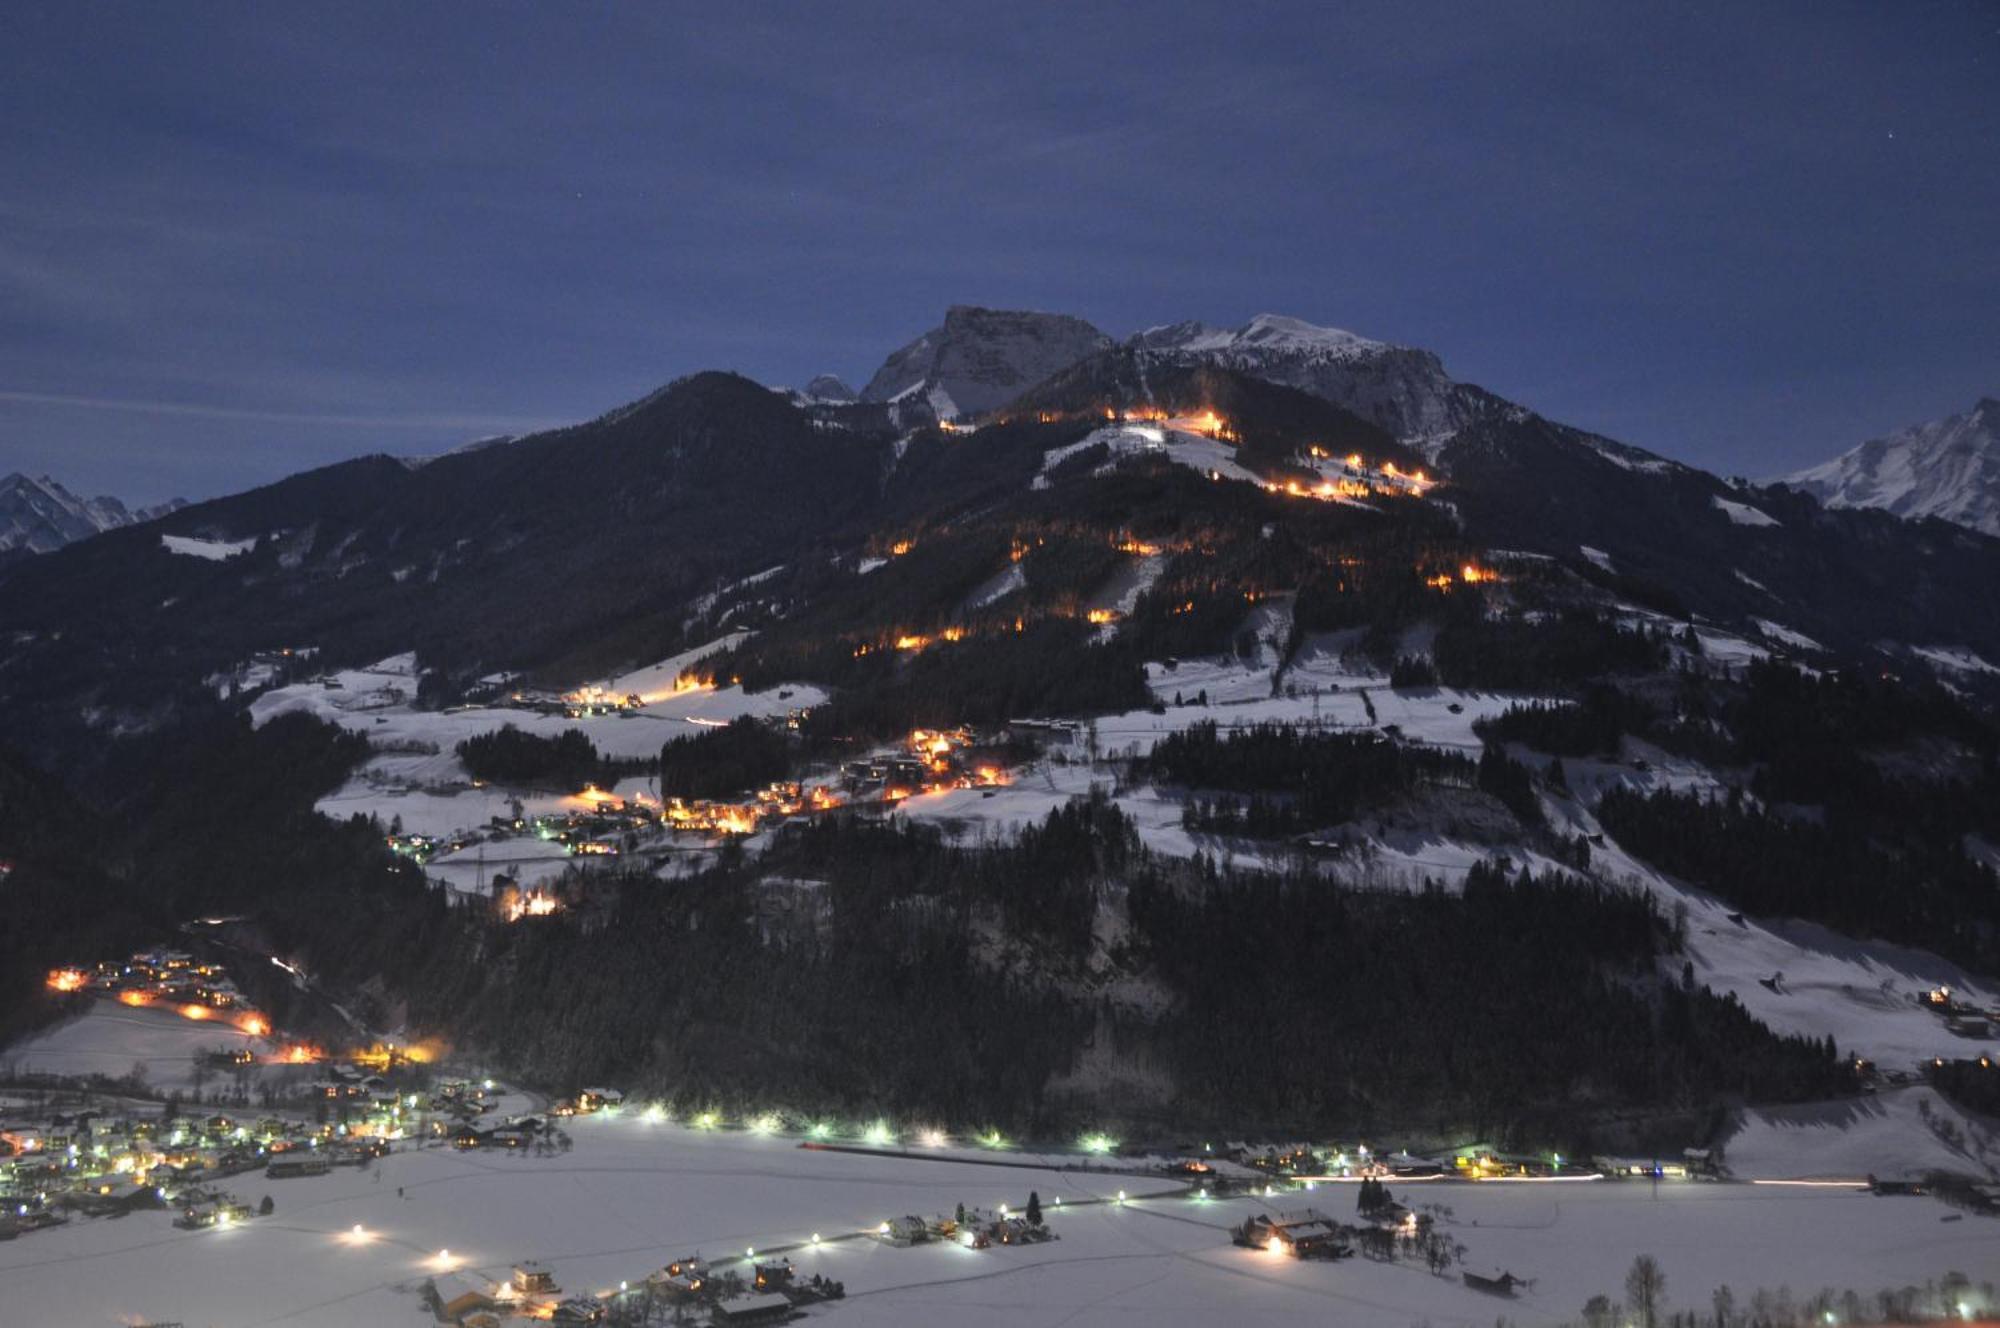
(604, 540)
(39, 515)
(1948, 468)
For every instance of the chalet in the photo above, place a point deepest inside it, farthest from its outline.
(1305, 1234)
(1496, 1283)
(1411, 1167)
(454, 1295)
(578, 1309)
(767, 1308)
(533, 1279)
(773, 1274)
(681, 1280)
(903, 1231)
(296, 1164)
(597, 1099)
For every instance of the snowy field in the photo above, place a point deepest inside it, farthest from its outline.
(634, 1194)
(111, 1038)
(414, 773)
(1886, 1134)
(378, 703)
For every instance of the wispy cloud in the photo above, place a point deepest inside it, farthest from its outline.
(442, 421)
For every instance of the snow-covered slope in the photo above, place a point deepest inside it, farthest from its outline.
(827, 387)
(1400, 388)
(982, 358)
(40, 515)
(1948, 468)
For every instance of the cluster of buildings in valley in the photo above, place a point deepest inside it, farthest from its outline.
(766, 1290)
(68, 1152)
(161, 977)
(170, 979)
(57, 1164)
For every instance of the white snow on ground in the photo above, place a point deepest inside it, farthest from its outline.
(1121, 594)
(1863, 993)
(435, 813)
(1785, 636)
(111, 1038)
(996, 588)
(975, 813)
(1956, 659)
(660, 678)
(1721, 647)
(376, 703)
(1752, 582)
(531, 861)
(213, 550)
(867, 565)
(1198, 451)
(1598, 556)
(1886, 1134)
(1422, 715)
(1630, 458)
(701, 604)
(632, 1195)
(1742, 513)
(1405, 861)
(415, 774)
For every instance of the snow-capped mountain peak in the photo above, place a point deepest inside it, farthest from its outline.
(1399, 388)
(39, 515)
(1272, 332)
(1948, 468)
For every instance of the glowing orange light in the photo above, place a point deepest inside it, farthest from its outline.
(1472, 574)
(913, 642)
(256, 1025)
(901, 547)
(66, 979)
(136, 997)
(1101, 616)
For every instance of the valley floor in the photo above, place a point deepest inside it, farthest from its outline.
(635, 1193)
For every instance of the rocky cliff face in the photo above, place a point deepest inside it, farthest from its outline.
(1948, 468)
(39, 515)
(1399, 388)
(981, 359)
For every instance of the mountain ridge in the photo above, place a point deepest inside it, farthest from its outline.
(39, 514)
(1947, 468)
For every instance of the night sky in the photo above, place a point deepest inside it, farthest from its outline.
(240, 240)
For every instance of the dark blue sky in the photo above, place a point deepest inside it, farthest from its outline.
(239, 240)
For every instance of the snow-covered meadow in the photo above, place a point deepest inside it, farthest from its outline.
(634, 1193)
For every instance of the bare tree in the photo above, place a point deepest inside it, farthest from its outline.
(1646, 1290)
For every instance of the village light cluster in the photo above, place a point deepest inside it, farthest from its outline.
(1470, 574)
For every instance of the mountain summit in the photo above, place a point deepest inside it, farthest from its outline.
(39, 515)
(1948, 468)
(1400, 388)
(980, 359)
